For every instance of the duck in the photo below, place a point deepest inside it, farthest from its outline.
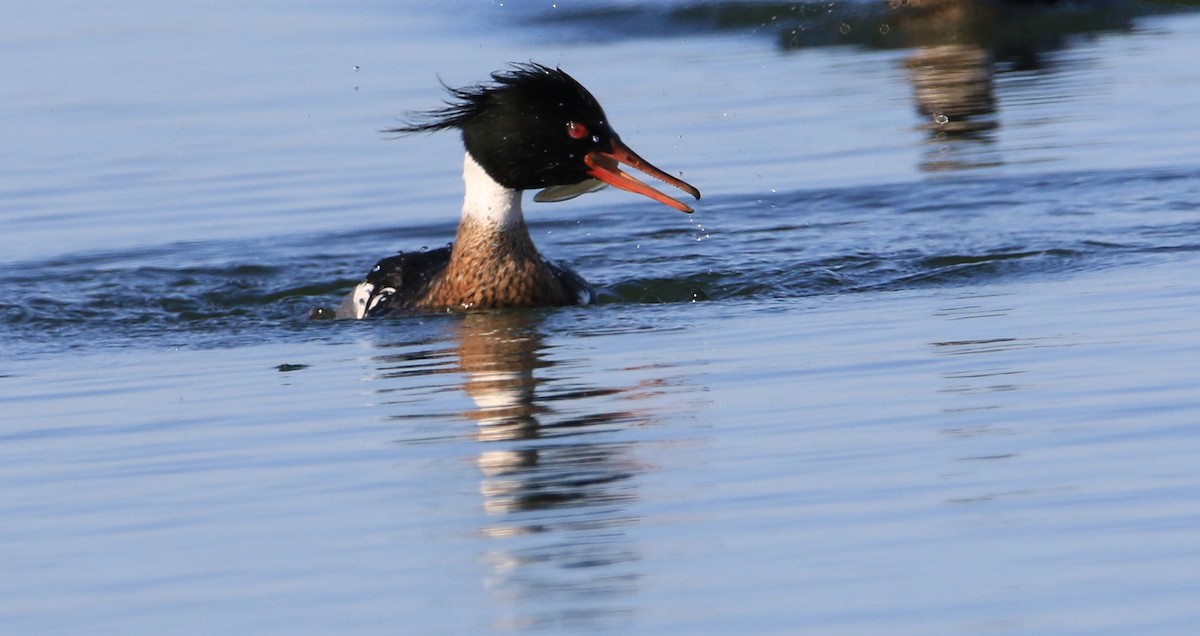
(532, 127)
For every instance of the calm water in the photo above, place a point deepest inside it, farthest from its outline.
(924, 361)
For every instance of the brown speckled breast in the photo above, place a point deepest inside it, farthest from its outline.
(494, 267)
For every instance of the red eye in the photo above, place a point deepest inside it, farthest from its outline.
(576, 130)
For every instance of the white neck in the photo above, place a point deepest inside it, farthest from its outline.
(487, 201)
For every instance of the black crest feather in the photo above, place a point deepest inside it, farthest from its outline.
(516, 126)
(468, 102)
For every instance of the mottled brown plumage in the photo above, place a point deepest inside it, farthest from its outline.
(494, 267)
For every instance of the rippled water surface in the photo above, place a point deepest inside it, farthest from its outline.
(924, 361)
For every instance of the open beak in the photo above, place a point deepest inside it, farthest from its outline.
(604, 166)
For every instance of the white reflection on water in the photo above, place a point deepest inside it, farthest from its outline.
(557, 468)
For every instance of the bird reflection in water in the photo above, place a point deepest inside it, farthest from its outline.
(959, 47)
(556, 480)
(953, 78)
(953, 90)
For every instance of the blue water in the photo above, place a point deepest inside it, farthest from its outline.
(897, 374)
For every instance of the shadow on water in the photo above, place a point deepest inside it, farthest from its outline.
(557, 471)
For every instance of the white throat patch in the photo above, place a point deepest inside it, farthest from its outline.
(488, 201)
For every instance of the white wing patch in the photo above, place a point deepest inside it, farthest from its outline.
(361, 296)
(584, 295)
(383, 295)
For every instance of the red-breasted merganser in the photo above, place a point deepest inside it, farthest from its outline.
(531, 127)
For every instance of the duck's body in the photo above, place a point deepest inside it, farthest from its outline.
(535, 128)
(492, 263)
